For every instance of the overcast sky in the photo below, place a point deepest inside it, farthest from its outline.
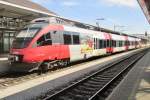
(115, 12)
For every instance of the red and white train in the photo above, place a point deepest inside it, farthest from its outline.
(55, 44)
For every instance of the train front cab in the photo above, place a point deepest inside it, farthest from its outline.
(44, 45)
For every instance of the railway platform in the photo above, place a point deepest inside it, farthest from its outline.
(136, 85)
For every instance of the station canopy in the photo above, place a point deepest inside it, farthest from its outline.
(23, 9)
(145, 5)
(14, 15)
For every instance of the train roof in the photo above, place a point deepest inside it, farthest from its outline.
(76, 24)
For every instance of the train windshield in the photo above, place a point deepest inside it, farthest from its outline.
(25, 36)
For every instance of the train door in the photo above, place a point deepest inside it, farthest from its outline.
(95, 43)
(126, 43)
(45, 47)
(64, 41)
(111, 43)
(56, 43)
(109, 47)
(75, 49)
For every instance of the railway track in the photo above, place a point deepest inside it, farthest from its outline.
(98, 85)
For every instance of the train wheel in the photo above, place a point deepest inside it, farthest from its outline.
(65, 63)
(50, 66)
(61, 63)
(43, 68)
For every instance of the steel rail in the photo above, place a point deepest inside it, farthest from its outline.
(130, 65)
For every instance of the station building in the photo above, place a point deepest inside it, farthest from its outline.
(145, 5)
(14, 14)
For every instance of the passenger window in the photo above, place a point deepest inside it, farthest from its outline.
(120, 43)
(67, 39)
(108, 43)
(101, 44)
(114, 43)
(76, 39)
(104, 43)
(44, 40)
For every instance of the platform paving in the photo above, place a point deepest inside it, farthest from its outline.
(136, 85)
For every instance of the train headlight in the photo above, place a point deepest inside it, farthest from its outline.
(16, 58)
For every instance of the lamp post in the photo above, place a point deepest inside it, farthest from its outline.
(97, 23)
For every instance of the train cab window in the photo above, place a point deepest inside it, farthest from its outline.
(48, 36)
(67, 39)
(44, 40)
(76, 39)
